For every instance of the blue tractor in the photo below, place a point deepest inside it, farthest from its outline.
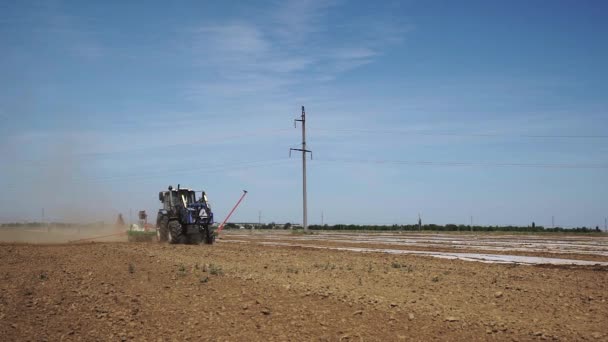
(184, 219)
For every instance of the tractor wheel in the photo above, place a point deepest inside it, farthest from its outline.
(176, 234)
(163, 230)
(209, 236)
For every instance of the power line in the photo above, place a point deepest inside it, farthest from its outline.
(203, 169)
(478, 164)
(144, 176)
(452, 134)
(216, 140)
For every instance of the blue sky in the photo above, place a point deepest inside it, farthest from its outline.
(103, 104)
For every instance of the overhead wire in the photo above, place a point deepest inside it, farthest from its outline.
(457, 164)
(456, 134)
(139, 177)
(209, 141)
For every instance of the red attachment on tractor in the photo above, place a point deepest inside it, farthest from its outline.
(219, 229)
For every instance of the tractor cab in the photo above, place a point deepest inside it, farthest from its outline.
(176, 197)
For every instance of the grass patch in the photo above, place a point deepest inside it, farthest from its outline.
(181, 270)
(403, 267)
(329, 266)
(215, 269)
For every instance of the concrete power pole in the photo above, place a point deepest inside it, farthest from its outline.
(44, 221)
(304, 151)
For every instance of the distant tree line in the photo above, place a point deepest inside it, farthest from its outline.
(452, 228)
(395, 227)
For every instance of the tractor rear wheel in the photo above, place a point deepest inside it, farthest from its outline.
(209, 237)
(176, 234)
(163, 230)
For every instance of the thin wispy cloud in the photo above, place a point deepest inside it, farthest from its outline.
(296, 20)
(295, 46)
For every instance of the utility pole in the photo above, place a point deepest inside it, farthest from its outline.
(322, 218)
(44, 222)
(606, 224)
(552, 221)
(304, 151)
(259, 218)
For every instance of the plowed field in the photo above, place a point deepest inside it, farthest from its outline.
(242, 290)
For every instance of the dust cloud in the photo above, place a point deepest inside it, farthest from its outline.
(53, 234)
(56, 185)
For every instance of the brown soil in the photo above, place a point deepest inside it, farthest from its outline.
(244, 292)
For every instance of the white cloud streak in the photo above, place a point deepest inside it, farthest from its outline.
(294, 45)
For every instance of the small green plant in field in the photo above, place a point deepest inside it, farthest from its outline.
(435, 279)
(369, 268)
(292, 270)
(43, 276)
(181, 270)
(329, 266)
(131, 268)
(204, 279)
(403, 267)
(215, 269)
